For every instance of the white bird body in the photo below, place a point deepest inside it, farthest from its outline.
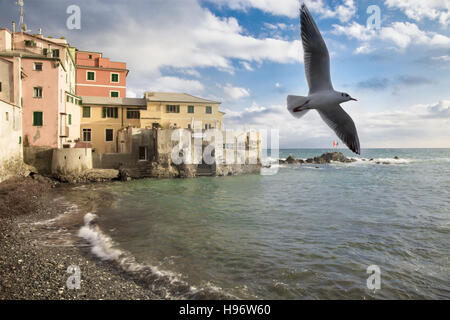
(322, 96)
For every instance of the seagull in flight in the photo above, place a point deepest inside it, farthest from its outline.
(322, 97)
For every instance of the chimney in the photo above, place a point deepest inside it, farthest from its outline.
(12, 35)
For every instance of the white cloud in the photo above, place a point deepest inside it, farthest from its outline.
(344, 12)
(235, 93)
(421, 9)
(364, 49)
(401, 34)
(183, 36)
(175, 84)
(445, 58)
(246, 65)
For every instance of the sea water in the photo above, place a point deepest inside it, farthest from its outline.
(306, 232)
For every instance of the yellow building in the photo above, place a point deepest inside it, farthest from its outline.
(102, 118)
(170, 110)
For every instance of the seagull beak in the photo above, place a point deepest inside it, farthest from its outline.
(354, 99)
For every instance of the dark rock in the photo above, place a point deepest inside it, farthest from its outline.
(396, 158)
(331, 156)
(291, 160)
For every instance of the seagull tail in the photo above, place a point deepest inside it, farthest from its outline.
(296, 102)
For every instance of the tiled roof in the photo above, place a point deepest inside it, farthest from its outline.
(128, 102)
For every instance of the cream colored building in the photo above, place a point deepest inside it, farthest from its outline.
(102, 118)
(170, 110)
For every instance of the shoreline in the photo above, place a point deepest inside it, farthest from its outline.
(32, 269)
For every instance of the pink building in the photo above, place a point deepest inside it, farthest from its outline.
(51, 111)
(100, 77)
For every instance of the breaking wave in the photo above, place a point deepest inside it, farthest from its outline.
(166, 284)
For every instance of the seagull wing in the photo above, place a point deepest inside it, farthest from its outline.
(316, 57)
(342, 124)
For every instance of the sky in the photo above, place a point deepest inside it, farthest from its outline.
(247, 54)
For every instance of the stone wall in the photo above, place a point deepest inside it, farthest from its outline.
(40, 158)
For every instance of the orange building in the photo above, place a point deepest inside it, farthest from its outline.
(99, 77)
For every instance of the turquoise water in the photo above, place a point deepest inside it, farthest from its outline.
(307, 232)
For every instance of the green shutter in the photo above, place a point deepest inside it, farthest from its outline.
(37, 118)
(104, 112)
(178, 109)
(116, 112)
(70, 119)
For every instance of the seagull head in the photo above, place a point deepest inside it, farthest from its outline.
(344, 97)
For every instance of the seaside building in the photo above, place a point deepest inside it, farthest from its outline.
(102, 118)
(50, 108)
(169, 110)
(99, 77)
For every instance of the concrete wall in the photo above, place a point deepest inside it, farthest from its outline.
(11, 154)
(71, 161)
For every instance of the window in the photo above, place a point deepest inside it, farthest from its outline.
(133, 114)
(206, 126)
(114, 77)
(30, 43)
(87, 134)
(38, 118)
(0, 87)
(114, 94)
(69, 119)
(90, 76)
(86, 112)
(190, 109)
(7, 116)
(90, 56)
(209, 110)
(109, 134)
(45, 51)
(38, 66)
(172, 109)
(110, 112)
(68, 98)
(55, 53)
(189, 126)
(143, 153)
(37, 92)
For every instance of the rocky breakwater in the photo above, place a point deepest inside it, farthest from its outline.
(323, 159)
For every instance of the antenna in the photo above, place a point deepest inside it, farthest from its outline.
(22, 25)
